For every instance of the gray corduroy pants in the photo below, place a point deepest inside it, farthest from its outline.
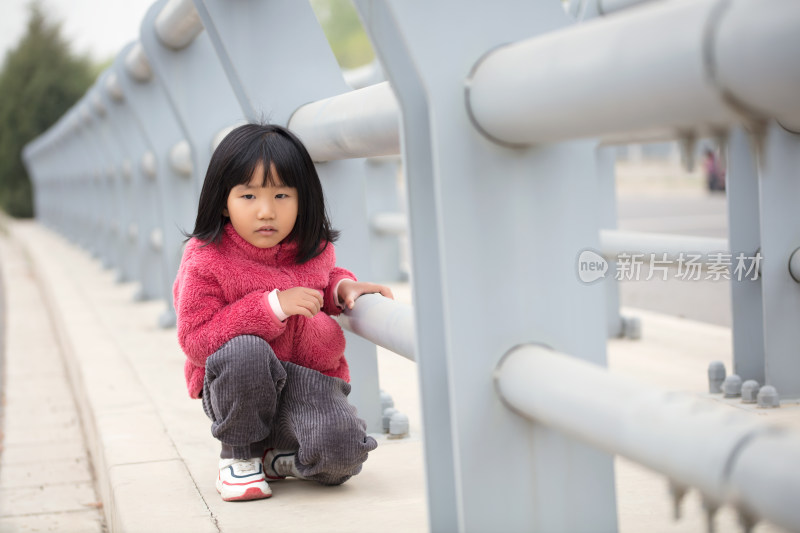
(255, 402)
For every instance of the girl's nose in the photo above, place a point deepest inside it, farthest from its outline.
(265, 210)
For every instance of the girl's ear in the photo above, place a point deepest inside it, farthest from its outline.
(225, 212)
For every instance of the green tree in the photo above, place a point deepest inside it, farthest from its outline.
(40, 80)
(342, 27)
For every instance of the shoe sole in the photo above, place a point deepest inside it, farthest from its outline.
(253, 493)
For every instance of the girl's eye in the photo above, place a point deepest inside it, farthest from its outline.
(281, 195)
(249, 196)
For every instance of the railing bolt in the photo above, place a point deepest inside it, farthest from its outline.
(386, 400)
(710, 507)
(747, 521)
(716, 375)
(149, 164)
(750, 391)
(677, 491)
(387, 417)
(632, 327)
(398, 426)
(768, 397)
(732, 386)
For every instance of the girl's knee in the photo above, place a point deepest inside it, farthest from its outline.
(347, 460)
(340, 452)
(246, 355)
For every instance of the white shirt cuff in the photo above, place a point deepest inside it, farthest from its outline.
(336, 293)
(275, 304)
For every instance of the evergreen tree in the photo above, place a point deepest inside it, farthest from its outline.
(40, 80)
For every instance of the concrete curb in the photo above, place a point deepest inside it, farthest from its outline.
(136, 462)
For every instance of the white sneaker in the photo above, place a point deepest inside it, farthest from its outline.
(280, 464)
(242, 479)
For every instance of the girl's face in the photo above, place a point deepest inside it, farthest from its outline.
(262, 215)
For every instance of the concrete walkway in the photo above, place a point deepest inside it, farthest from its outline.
(150, 445)
(46, 479)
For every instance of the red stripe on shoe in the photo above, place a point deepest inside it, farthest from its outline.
(246, 483)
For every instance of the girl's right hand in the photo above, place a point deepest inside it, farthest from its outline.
(300, 301)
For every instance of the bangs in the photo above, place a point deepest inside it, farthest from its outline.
(279, 162)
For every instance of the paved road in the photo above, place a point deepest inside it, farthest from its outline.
(686, 212)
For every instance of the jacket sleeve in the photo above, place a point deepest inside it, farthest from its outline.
(206, 321)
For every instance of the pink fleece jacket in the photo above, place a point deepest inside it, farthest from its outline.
(221, 292)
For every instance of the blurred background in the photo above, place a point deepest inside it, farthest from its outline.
(52, 51)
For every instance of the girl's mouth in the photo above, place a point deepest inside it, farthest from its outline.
(267, 230)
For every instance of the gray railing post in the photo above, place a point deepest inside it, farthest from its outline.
(744, 234)
(618, 326)
(381, 197)
(780, 237)
(144, 192)
(481, 218)
(99, 165)
(607, 188)
(149, 103)
(120, 176)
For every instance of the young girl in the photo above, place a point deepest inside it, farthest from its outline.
(253, 296)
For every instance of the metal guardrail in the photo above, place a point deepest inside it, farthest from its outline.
(689, 71)
(731, 457)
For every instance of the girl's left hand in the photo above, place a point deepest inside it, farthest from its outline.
(350, 290)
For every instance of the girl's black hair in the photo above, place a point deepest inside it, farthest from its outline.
(233, 163)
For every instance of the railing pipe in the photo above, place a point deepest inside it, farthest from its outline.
(382, 321)
(178, 24)
(390, 223)
(691, 72)
(614, 243)
(730, 456)
(360, 123)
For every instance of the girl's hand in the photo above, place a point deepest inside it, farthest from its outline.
(300, 301)
(350, 290)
